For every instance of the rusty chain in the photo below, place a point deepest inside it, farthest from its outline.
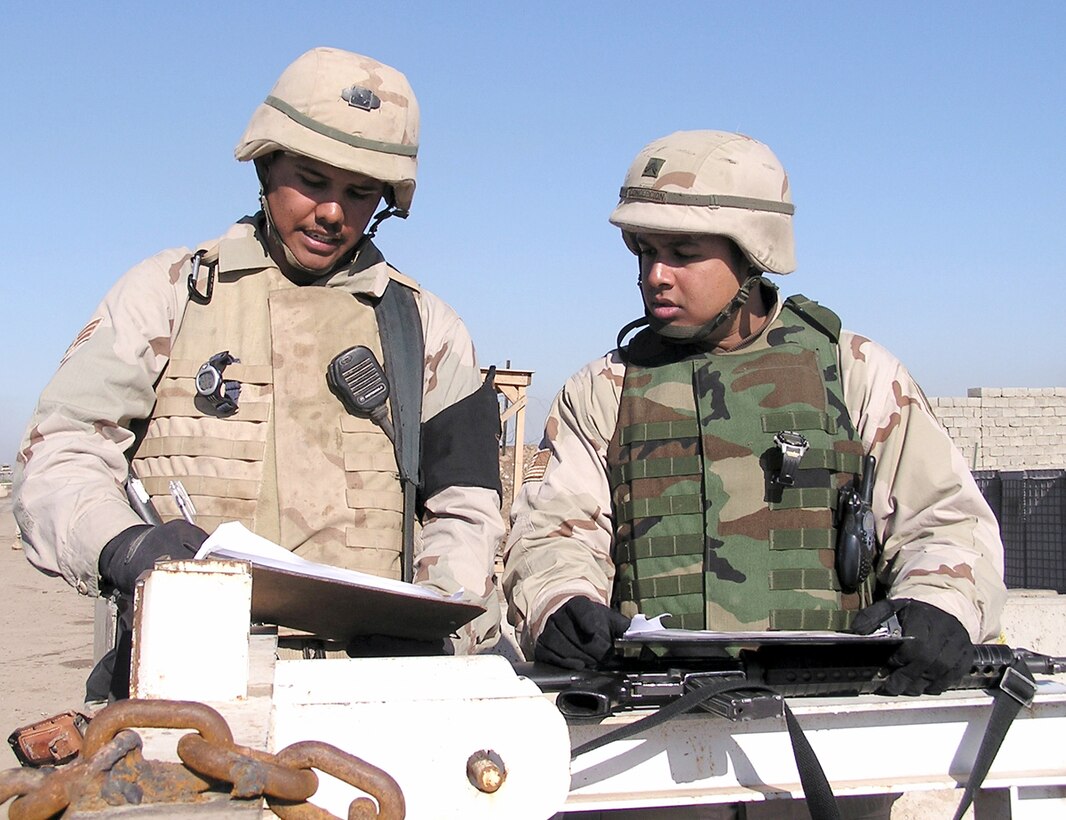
(110, 770)
(251, 772)
(60, 787)
(350, 769)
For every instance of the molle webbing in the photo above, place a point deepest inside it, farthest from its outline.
(702, 531)
(220, 461)
(290, 439)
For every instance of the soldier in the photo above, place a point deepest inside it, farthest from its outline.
(696, 470)
(208, 367)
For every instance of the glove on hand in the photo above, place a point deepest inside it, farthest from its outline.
(937, 655)
(580, 634)
(136, 549)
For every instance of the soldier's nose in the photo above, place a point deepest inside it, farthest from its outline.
(659, 275)
(329, 213)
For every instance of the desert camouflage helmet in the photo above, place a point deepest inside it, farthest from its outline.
(346, 110)
(711, 182)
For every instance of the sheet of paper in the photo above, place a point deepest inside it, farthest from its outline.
(643, 629)
(235, 542)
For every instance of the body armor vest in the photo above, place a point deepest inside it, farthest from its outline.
(290, 464)
(703, 530)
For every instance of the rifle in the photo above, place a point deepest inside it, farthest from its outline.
(751, 683)
(756, 679)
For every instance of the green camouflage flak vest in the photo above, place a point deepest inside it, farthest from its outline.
(702, 530)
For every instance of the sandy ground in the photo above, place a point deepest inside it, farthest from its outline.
(46, 640)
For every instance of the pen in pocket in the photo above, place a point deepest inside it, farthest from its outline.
(181, 498)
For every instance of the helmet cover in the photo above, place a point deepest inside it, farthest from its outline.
(343, 109)
(711, 182)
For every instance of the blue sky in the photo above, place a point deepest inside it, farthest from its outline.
(924, 142)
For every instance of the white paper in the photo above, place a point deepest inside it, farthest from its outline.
(644, 628)
(233, 541)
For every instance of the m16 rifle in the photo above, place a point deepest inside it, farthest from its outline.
(772, 671)
(753, 681)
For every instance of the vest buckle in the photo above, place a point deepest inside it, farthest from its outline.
(792, 446)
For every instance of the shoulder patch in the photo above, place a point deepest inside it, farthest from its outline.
(536, 467)
(83, 336)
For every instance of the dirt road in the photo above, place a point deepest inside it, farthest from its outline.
(46, 640)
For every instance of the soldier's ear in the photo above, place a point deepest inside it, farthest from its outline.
(262, 169)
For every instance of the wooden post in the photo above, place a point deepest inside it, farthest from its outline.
(512, 384)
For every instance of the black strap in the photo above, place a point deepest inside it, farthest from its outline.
(1016, 690)
(821, 803)
(403, 348)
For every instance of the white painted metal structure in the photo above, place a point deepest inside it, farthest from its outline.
(420, 719)
(866, 745)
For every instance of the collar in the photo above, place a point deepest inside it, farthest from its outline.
(242, 249)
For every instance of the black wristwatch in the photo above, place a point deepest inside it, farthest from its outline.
(220, 393)
(792, 446)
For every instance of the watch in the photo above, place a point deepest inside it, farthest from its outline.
(792, 446)
(220, 393)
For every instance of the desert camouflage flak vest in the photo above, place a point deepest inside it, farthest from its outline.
(341, 502)
(702, 530)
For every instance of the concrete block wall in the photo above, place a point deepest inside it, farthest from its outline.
(1007, 428)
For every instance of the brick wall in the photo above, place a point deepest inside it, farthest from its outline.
(1007, 428)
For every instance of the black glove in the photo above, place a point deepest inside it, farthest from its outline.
(136, 549)
(935, 658)
(387, 646)
(580, 634)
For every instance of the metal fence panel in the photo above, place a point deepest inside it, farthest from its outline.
(1030, 506)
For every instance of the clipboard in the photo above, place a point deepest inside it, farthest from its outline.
(332, 602)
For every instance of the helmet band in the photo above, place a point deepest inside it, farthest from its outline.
(337, 134)
(706, 200)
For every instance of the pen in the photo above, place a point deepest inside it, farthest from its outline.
(181, 498)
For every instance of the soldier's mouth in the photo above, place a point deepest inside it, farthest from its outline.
(664, 311)
(322, 242)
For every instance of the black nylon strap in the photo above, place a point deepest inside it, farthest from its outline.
(1005, 707)
(403, 349)
(821, 803)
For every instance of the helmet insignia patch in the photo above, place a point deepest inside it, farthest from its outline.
(653, 167)
(359, 97)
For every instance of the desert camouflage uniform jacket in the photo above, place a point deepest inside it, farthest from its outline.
(941, 541)
(71, 467)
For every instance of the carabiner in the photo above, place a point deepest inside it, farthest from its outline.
(194, 294)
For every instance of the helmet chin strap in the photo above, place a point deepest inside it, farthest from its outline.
(700, 333)
(262, 170)
(389, 210)
(290, 258)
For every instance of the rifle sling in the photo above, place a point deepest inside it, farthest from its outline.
(1015, 690)
(821, 803)
(1011, 694)
(402, 346)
